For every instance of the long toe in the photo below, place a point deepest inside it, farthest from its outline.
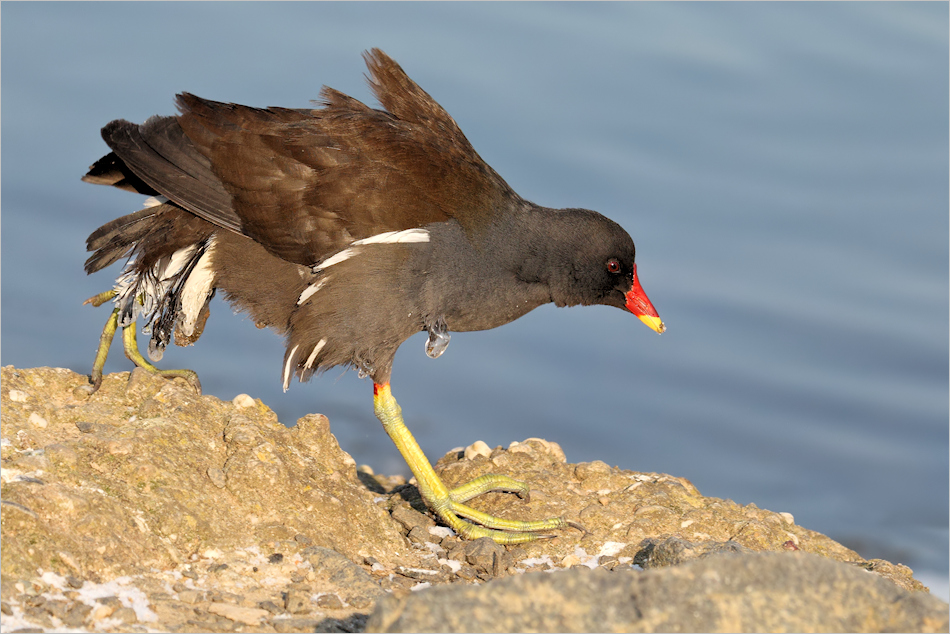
(488, 483)
(500, 530)
(189, 375)
(131, 345)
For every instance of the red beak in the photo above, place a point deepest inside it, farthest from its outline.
(639, 304)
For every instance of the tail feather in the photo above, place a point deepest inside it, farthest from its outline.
(110, 170)
(167, 281)
(116, 239)
(161, 155)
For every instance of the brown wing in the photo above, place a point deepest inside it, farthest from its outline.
(306, 183)
(157, 158)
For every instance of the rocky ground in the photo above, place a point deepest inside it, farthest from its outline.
(144, 507)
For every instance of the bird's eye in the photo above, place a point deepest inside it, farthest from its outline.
(613, 265)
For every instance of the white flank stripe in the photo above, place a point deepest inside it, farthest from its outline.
(389, 237)
(310, 290)
(394, 237)
(196, 290)
(313, 355)
(155, 201)
(290, 360)
(345, 254)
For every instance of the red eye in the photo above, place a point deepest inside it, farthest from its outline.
(613, 265)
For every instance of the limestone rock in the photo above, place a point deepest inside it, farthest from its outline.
(146, 506)
(722, 593)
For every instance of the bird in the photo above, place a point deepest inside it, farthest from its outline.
(346, 229)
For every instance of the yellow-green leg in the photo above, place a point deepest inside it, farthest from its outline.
(131, 347)
(105, 339)
(448, 504)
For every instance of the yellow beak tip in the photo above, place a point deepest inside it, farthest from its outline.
(655, 323)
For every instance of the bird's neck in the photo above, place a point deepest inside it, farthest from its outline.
(542, 243)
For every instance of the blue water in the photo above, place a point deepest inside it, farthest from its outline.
(783, 169)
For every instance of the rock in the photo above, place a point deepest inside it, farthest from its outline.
(487, 557)
(343, 573)
(102, 612)
(176, 502)
(477, 448)
(296, 601)
(753, 592)
(411, 518)
(57, 608)
(329, 602)
(533, 445)
(300, 625)
(217, 477)
(673, 551)
(588, 470)
(125, 615)
(243, 400)
(271, 607)
(38, 421)
(189, 596)
(76, 615)
(248, 616)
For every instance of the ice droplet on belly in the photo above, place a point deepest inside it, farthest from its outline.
(438, 339)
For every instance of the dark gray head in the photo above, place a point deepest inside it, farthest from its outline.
(585, 258)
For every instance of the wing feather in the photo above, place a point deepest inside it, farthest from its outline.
(306, 183)
(158, 153)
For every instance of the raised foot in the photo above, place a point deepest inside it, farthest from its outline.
(131, 347)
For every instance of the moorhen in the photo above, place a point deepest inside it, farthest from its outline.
(346, 229)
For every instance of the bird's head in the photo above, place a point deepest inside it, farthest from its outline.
(600, 267)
